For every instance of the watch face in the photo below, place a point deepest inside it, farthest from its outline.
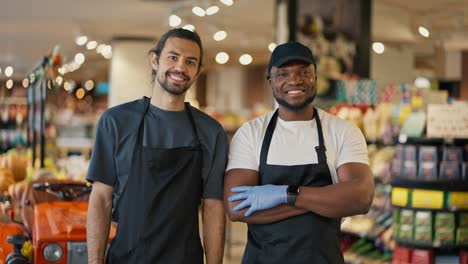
(293, 189)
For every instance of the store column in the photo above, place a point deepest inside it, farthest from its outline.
(130, 69)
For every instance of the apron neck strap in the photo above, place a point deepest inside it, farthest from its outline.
(320, 149)
(141, 127)
(188, 110)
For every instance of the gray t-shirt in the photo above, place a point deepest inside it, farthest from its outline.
(116, 135)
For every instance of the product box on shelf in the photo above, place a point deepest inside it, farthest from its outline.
(444, 236)
(423, 218)
(462, 236)
(427, 171)
(449, 170)
(445, 220)
(406, 232)
(463, 219)
(428, 154)
(464, 173)
(452, 154)
(409, 169)
(409, 153)
(423, 234)
(406, 216)
(402, 255)
(397, 167)
(422, 256)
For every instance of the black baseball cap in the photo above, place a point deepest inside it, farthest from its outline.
(290, 51)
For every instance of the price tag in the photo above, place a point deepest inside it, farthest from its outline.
(400, 196)
(428, 199)
(458, 200)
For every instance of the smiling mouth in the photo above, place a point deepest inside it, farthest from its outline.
(177, 77)
(295, 91)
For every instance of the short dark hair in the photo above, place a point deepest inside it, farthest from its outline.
(177, 33)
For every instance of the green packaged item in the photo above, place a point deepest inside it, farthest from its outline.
(406, 232)
(395, 228)
(444, 236)
(406, 216)
(445, 220)
(396, 216)
(463, 219)
(423, 233)
(462, 236)
(423, 218)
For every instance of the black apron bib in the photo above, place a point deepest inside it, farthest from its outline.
(303, 239)
(158, 210)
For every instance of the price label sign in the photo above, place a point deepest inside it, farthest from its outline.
(428, 199)
(447, 121)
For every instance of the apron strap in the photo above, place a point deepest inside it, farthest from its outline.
(188, 110)
(141, 127)
(320, 149)
(267, 140)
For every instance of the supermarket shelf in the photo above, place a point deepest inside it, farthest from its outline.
(432, 141)
(453, 210)
(433, 245)
(448, 186)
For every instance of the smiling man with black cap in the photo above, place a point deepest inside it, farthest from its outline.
(295, 172)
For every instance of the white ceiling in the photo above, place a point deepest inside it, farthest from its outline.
(30, 28)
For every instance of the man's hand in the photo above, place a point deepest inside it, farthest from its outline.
(259, 197)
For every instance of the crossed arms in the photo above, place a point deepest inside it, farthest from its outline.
(352, 195)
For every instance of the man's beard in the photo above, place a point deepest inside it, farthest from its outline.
(165, 85)
(298, 107)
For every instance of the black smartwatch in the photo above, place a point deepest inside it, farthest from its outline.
(293, 191)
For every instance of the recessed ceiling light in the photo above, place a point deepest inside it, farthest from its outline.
(378, 47)
(222, 57)
(245, 59)
(220, 35)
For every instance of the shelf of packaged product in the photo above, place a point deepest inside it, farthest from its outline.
(452, 209)
(443, 248)
(446, 185)
(403, 139)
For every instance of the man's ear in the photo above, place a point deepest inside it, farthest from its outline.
(154, 61)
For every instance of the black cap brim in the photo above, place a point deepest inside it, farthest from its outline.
(287, 59)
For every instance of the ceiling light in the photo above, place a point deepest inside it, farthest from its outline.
(220, 35)
(378, 47)
(67, 86)
(59, 80)
(91, 45)
(174, 20)
(80, 93)
(25, 82)
(9, 84)
(422, 82)
(271, 46)
(81, 40)
(245, 59)
(8, 71)
(227, 2)
(89, 85)
(62, 70)
(198, 11)
(423, 31)
(100, 48)
(189, 27)
(79, 58)
(212, 10)
(222, 58)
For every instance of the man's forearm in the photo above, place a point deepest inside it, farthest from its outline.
(98, 227)
(268, 216)
(214, 230)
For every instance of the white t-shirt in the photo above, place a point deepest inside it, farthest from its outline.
(294, 143)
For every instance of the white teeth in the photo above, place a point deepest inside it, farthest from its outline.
(177, 77)
(295, 92)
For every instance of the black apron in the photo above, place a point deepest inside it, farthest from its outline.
(304, 239)
(158, 209)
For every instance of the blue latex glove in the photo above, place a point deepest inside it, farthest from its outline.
(259, 197)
